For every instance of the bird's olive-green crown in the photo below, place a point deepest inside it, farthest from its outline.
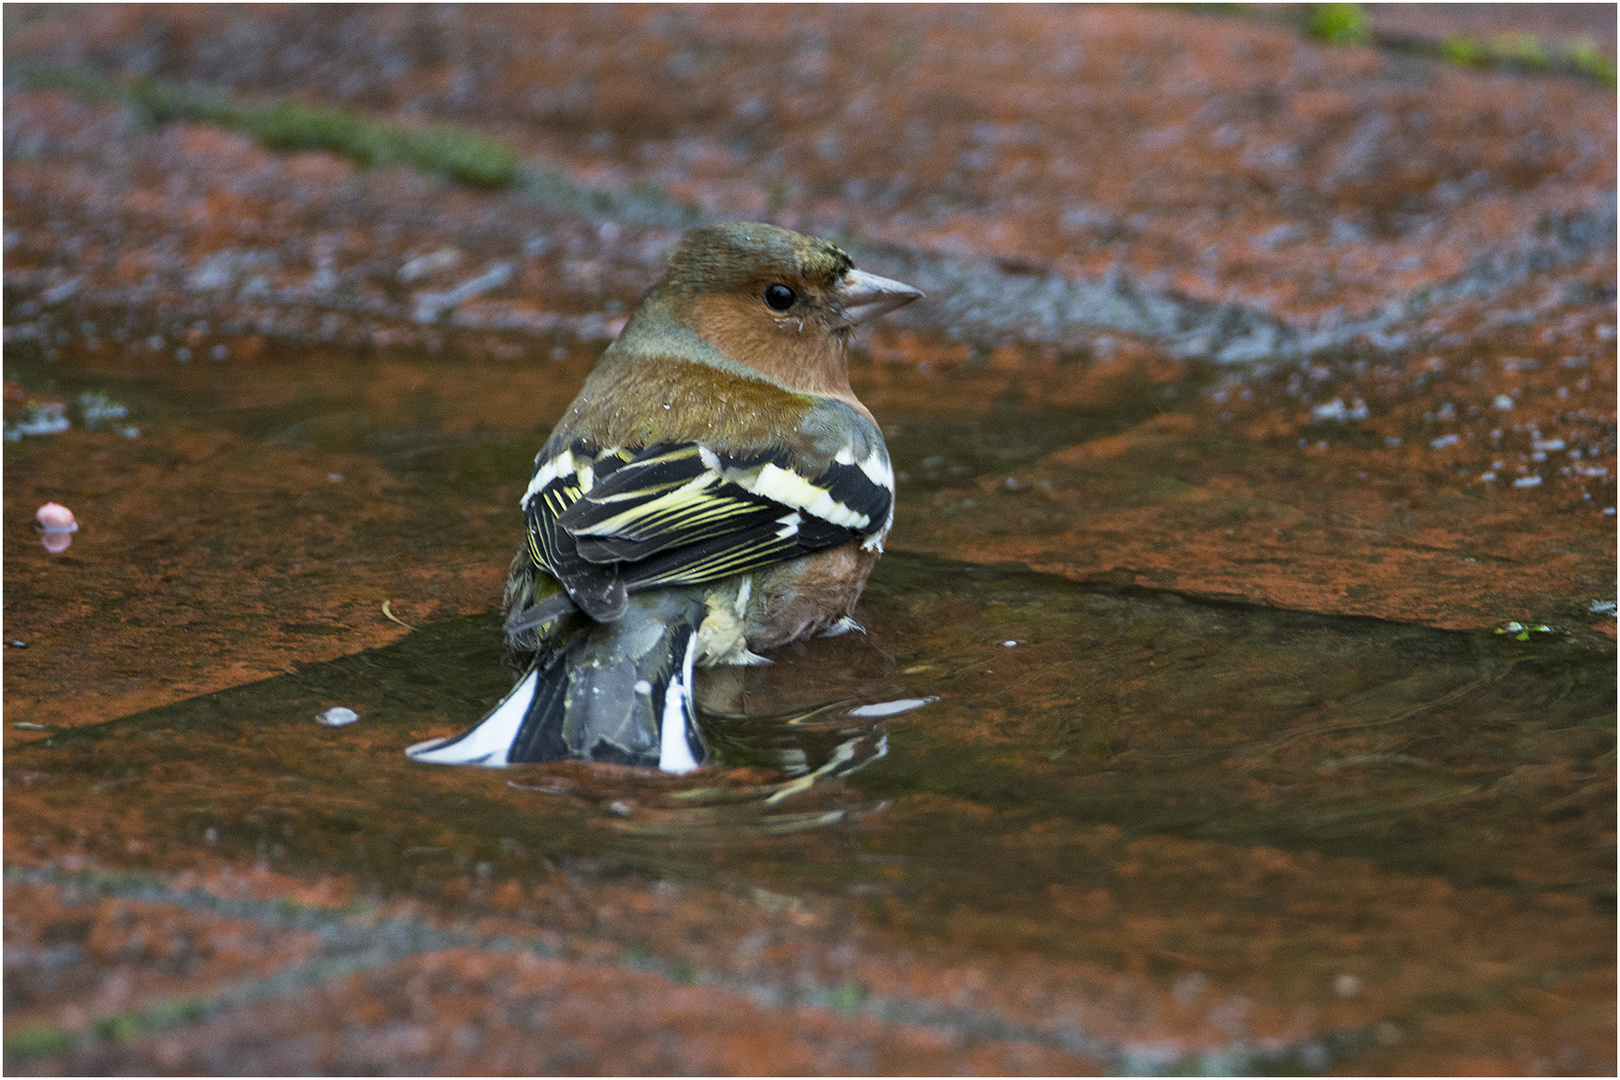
(737, 255)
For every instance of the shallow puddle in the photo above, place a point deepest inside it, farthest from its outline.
(1132, 781)
(1162, 831)
(1147, 713)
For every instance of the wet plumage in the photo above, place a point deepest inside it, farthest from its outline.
(715, 490)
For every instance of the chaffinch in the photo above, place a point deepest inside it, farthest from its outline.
(715, 490)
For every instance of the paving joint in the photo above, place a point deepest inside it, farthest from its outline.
(357, 946)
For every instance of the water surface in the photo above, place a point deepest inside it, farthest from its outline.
(1158, 830)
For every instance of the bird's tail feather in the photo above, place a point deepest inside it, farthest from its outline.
(615, 692)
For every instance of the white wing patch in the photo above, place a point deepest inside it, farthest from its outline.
(794, 491)
(561, 465)
(876, 467)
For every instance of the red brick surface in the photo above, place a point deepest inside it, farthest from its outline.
(1321, 339)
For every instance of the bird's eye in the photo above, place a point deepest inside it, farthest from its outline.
(779, 297)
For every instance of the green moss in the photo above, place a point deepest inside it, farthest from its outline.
(1463, 51)
(442, 150)
(170, 1012)
(847, 997)
(465, 158)
(121, 1028)
(1583, 56)
(1341, 24)
(1350, 24)
(34, 1042)
(1527, 52)
(461, 156)
(1524, 49)
(80, 82)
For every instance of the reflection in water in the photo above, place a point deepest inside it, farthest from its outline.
(769, 773)
(740, 791)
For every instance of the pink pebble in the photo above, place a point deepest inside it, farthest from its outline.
(56, 526)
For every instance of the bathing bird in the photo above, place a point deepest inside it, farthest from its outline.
(715, 491)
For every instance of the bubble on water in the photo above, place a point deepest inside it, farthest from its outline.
(337, 716)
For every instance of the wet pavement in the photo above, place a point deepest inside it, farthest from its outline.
(1256, 454)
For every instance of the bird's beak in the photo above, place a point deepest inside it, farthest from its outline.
(866, 296)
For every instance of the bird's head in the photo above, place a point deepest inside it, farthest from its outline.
(773, 300)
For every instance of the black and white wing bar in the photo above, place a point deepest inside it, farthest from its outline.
(604, 522)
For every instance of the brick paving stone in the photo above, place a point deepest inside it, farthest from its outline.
(1215, 312)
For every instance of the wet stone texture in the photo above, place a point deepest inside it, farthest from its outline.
(1261, 388)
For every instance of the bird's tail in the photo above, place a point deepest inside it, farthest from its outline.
(618, 692)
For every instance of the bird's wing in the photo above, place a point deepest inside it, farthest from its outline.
(603, 522)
